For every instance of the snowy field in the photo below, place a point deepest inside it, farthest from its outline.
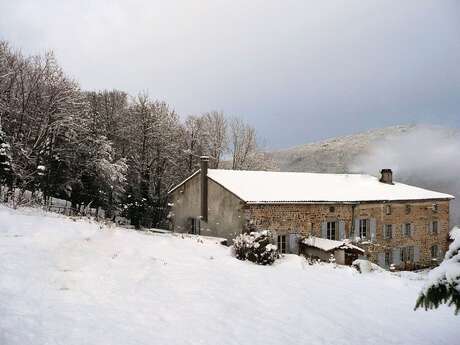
(73, 282)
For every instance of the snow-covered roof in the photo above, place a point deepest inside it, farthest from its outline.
(292, 187)
(187, 179)
(327, 245)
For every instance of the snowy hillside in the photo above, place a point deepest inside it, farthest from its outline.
(75, 282)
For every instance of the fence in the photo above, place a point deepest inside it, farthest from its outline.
(25, 198)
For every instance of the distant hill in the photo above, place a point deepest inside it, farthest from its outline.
(334, 155)
(422, 155)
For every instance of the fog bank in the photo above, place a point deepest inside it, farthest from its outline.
(425, 156)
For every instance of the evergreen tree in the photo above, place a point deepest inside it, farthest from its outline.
(444, 280)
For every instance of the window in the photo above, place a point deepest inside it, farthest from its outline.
(411, 253)
(407, 229)
(331, 209)
(403, 254)
(331, 230)
(407, 254)
(388, 260)
(434, 251)
(434, 227)
(363, 228)
(434, 207)
(388, 231)
(195, 226)
(388, 209)
(407, 209)
(282, 243)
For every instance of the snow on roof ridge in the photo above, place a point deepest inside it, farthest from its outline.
(292, 172)
(283, 187)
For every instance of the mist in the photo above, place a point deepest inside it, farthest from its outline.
(425, 156)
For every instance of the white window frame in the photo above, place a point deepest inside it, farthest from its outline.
(331, 227)
(434, 229)
(363, 228)
(407, 226)
(281, 244)
(386, 232)
(407, 254)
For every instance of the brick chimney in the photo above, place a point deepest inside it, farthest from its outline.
(386, 176)
(204, 187)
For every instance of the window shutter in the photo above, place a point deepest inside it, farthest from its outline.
(402, 230)
(356, 232)
(294, 243)
(416, 254)
(384, 232)
(440, 255)
(341, 230)
(396, 256)
(324, 230)
(373, 226)
(381, 259)
(412, 229)
(430, 227)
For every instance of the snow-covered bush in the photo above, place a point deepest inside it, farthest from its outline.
(312, 261)
(444, 281)
(256, 247)
(365, 266)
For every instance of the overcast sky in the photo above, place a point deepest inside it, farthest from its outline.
(298, 71)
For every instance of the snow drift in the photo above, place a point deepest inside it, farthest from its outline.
(66, 281)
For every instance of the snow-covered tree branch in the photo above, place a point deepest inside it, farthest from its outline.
(444, 280)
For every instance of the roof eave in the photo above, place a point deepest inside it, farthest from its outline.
(184, 181)
(351, 202)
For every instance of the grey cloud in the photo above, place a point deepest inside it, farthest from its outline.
(297, 70)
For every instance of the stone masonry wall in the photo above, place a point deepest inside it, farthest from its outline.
(306, 219)
(420, 216)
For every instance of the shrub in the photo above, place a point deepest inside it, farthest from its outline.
(365, 266)
(256, 247)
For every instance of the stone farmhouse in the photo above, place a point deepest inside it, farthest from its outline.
(390, 222)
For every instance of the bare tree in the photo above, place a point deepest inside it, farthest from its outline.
(194, 141)
(155, 158)
(104, 148)
(244, 149)
(215, 129)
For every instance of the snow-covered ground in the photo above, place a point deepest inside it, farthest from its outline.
(73, 282)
